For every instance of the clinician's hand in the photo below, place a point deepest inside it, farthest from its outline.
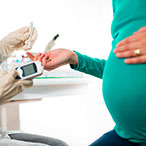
(10, 86)
(127, 48)
(17, 40)
(55, 58)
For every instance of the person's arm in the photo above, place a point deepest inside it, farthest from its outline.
(15, 41)
(89, 65)
(10, 86)
(58, 57)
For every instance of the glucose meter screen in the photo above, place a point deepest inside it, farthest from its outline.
(29, 69)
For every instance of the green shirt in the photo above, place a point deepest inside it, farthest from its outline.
(124, 86)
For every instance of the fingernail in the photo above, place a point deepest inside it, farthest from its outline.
(125, 61)
(118, 54)
(115, 50)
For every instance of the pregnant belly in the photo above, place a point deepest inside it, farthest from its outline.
(124, 92)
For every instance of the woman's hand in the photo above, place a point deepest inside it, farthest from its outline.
(55, 58)
(133, 48)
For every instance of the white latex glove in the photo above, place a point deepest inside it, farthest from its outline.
(10, 86)
(17, 40)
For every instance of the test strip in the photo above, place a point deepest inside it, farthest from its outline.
(31, 33)
(31, 29)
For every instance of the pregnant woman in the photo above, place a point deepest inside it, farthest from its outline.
(123, 74)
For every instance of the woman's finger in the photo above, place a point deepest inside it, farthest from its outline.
(41, 57)
(30, 55)
(126, 47)
(142, 29)
(135, 37)
(45, 60)
(37, 56)
(130, 53)
(136, 60)
(47, 63)
(128, 40)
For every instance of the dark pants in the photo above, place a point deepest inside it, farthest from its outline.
(38, 139)
(112, 139)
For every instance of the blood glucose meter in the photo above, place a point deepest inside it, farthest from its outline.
(29, 70)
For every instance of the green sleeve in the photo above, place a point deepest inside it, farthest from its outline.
(89, 65)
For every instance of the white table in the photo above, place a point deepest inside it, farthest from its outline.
(42, 88)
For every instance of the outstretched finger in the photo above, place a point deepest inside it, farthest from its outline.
(30, 55)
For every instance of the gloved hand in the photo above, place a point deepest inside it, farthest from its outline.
(10, 86)
(17, 40)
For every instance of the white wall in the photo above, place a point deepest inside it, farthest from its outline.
(84, 26)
